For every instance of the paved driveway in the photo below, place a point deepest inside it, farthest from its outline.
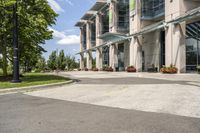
(27, 114)
(107, 103)
(178, 94)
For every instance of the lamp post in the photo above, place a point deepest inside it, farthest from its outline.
(15, 46)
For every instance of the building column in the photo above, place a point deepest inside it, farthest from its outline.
(113, 20)
(81, 61)
(81, 49)
(135, 43)
(175, 36)
(136, 53)
(113, 57)
(113, 16)
(98, 42)
(89, 53)
(175, 46)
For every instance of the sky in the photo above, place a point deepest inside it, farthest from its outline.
(66, 35)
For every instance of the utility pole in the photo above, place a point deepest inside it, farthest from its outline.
(15, 46)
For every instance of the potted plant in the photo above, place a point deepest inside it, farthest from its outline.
(95, 69)
(79, 69)
(171, 69)
(131, 69)
(110, 69)
(86, 69)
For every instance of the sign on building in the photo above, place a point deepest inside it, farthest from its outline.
(132, 7)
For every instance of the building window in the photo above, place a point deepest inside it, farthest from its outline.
(192, 46)
(152, 9)
(84, 38)
(105, 56)
(123, 16)
(93, 33)
(105, 22)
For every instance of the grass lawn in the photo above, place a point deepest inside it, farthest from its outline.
(31, 79)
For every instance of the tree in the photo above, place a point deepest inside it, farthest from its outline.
(71, 62)
(61, 60)
(41, 64)
(52, 61)
(35, 16)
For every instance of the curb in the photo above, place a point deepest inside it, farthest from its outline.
(37, 87)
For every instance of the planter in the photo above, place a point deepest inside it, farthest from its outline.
(95, 69)
(131, 69)
(169, 70)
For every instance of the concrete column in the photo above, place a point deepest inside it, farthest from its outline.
(113, 29)
(89, 53)
(175, 46)
(136, 53)
(175, 36)
(111, 56)
(113, 59)
(114, 13)
(81, 61)
(81, 49)
(98, 42)
(135, 44)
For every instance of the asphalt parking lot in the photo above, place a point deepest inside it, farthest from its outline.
(106, 103)
(21, 113)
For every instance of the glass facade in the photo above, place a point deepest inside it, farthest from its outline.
(105, 56)
(123, 16)
(93, 33)
(84, 38)
(121, 57)
(192, 46)
(152, 9)
(105, 22)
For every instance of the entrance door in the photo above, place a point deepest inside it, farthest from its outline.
(162, 49)
(192, 46)
(121, 57)
(105, 56)
(192, 54)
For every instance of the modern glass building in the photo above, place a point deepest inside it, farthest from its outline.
(141, 33)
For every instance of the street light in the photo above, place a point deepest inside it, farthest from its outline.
(15, 46)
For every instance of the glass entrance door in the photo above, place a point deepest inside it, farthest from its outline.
(105, 54)
(121, 57)
(193, 47)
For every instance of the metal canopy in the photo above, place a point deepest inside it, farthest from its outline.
(193, 30)
(111, 38)
(98, 5)
(88, 15)
(80, 23)
(150, 28)
(195, 13)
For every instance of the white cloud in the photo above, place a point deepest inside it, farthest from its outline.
(70, 39)
(64, 39)
(69, 2)
(55, 6)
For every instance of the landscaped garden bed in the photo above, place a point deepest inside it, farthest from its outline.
(31, 79)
